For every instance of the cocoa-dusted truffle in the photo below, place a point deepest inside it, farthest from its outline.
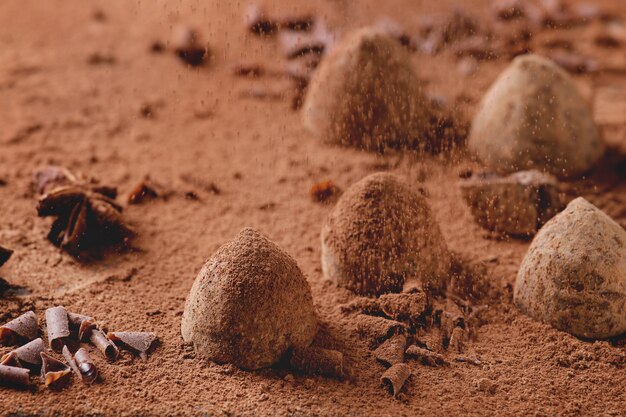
(380, 234)
(249, 304)
(574, 274)
(533, 117)
(365, 94)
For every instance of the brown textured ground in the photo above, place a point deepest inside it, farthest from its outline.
(55, 107)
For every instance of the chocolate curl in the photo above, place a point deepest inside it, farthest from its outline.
(104, 345)
(395, 377)
(5, 254)
(80, 325)
(54, 373)
(28, 355)
(377, 329)
(391, 351)
(317, 361)
(57, 324)
(11, 359)
(22, 329)
(457, 340)
(82, 365)
(426, 356)
(138, 342)
(404, 306)
(13, 377)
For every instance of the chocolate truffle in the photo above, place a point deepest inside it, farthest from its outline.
(365, 94)
(249, 304)
(381, 234)
(533, 117)
(574, 274)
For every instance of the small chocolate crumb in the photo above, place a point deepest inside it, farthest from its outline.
(324, 191)
(144, 191)
(395, 377)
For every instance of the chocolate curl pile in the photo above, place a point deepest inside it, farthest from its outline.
(395, 377)
(5, 254)
(391, 352)
(27, 355)
(427, 357)
(20, 330)
(14, 377)
(317, 361)
(54, 373)
(137, 342)
(103, 344)
(57, 324)
(80, 325)
(82, 365)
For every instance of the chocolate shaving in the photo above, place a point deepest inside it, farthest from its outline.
(395, 377)
(28, 355)
(144, 191)
(138, 342)
(377, 329)
(11, 359)
(318, 361)
(80, 325)
(82, 365)
(466, 359)
(103, 344)
(457, 340)
(14, 377)
(57, 325)
(391, 351)
(54, 373)
(426, 356)
(20, 330)
(5, 254)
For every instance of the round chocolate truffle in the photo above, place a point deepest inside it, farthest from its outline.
(533, 117)
(574, 274)
(365, 94)
(380, 234)
(249, 304)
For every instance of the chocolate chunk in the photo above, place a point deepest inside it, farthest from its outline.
(57, 325)
(138, 342)
(28, 355)
(5, 254)
(391, 351)
(54, 373)
(80, 325)
(144, 191)
(14, 377)
(426, 356)
(325, 191)
(82, 365)
(516, 205)
(318, 361)
(377, 329)
(104, 345)
(20, 330)
(395, 377)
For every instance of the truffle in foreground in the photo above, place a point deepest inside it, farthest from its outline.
(381, 234)
(533, 117)
(574, 274)
(249, 304)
